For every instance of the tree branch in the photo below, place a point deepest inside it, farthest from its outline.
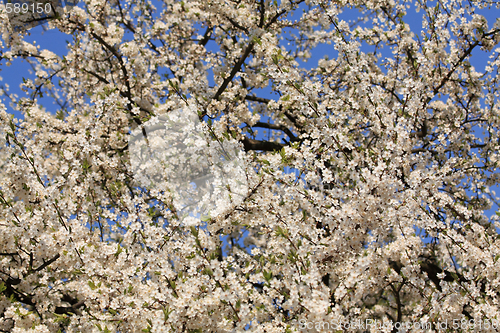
(235, 70)
(283, 128)
(250, 144)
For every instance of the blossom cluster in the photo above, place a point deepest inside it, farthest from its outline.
(373, 171)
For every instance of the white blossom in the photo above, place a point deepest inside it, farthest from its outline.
(361, 188)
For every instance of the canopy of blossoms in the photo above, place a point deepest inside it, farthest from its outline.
(360, 188)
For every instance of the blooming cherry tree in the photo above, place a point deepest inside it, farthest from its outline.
(366, 198)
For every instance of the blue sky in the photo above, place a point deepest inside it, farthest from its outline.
(56, 42)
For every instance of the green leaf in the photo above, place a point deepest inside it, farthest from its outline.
(166, 313)
(172, 284)
(60, 115)
(208, 271)
(268, 275)
(281, 232)
(86, 164)
(118, 250)
(92, 285)
(283, 154)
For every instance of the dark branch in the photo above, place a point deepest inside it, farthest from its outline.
(206, 36)
(283, 128)
(257, 99)
(250, 144)
(47, 263)
(235, 70)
